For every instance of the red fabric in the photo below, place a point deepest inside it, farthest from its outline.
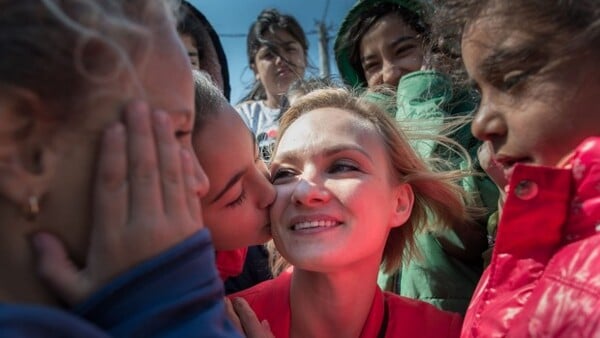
(544, 277)
(407, 318)
(230, 263)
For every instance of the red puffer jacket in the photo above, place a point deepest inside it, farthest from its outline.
(544, 277)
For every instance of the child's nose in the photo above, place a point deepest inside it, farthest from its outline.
(488, 123)
(391, 74)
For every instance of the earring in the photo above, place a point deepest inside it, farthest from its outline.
(32, 208)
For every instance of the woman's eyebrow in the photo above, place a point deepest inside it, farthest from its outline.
(293, 155)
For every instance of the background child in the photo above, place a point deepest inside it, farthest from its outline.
(277, 48)
(539, 84)
(204, 46)
(387, 43)
(351, 195)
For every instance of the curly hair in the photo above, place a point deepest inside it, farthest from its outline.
(556, 29)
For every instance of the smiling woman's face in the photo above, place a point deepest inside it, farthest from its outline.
(335, 200)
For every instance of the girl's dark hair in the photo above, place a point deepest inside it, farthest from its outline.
(268, 21)
(556, 29)
(415, 20)
(193, 23)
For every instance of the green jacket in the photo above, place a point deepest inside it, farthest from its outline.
(450, 262)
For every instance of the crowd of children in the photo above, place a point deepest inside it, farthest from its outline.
(447, 186)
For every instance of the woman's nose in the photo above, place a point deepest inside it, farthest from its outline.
(310, 192)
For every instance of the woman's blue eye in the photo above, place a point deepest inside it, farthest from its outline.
(280, 174)
(343, 167)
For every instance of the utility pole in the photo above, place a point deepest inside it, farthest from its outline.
(323, 49)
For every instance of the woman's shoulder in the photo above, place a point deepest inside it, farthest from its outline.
(419, 319)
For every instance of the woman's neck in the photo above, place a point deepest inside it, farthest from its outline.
(331, 304)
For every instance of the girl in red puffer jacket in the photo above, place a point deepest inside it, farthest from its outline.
(540, 113)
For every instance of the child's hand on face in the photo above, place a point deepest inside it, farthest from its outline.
(145, 201)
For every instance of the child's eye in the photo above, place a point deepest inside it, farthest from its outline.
(267, 55)
(404, 49)
(179, 134)
(280, 175)
(238, 201)
(513, 78)
(370, 66)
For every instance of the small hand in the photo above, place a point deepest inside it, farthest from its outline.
(146, 200)
(242, 315)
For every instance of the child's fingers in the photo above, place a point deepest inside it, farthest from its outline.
(232, 315)
(144, 177)
(191, 187)
(169, 161)
(55, 267)
(252, 326)
(110, 195)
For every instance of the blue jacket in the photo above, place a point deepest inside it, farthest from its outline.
(175, 294)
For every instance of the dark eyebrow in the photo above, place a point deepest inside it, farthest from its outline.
(496, 64)
(236, 178)
(394, 43)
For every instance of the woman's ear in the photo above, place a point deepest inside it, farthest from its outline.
(403, 199)
(25, 157)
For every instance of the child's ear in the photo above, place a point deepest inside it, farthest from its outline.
(403, 199)
(26, 160)
(255, 71)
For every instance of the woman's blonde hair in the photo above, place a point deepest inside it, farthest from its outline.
(439, 200)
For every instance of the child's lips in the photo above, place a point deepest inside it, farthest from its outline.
(508, 164)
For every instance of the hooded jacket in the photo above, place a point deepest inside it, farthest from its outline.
(544, 278)
(216, 42)
(450, 264)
